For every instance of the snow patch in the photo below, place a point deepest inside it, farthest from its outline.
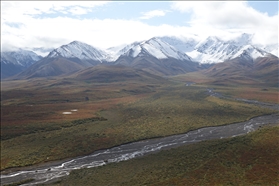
(66, 112)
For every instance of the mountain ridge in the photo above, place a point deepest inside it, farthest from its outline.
(160, 55)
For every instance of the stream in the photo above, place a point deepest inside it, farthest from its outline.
(144, 147)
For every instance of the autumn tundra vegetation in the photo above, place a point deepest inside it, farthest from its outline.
(121, 109)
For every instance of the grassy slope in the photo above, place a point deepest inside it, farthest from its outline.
(238, 71)
(244, 160)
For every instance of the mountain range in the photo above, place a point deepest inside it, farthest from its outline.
(216, 50)
(159, 55)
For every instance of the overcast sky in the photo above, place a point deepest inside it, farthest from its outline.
(50, 24)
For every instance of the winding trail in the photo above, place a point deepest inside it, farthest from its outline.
(140, 148)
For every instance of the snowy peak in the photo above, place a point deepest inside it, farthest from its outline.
(212, 50)
(20, 54)
(20, 57)
(17, 61)
(215, 50)
(157, 48)
(250, 52)
(77, 49)
(209, 45)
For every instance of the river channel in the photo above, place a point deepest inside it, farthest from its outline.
(140, 148)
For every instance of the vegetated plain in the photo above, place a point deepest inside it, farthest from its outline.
(251, 159)
(236, 86)
(111, 112)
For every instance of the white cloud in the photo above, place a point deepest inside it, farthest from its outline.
(19, 9)
(29, 30)
(54, 32)
(21, 25)
(231, 17)
(79, 11)
(153, 13)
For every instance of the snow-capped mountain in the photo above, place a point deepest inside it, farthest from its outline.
(215, 50)
(157, 48)
(79, 50)
(161, 55)
(157, 57)
(67, 59)
(20, 57)
(16, 61)
(249, 52)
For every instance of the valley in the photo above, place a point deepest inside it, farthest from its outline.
(122, 109)
(139, 93)
(79, 100)
(241, 160)
(133, 111)
(159, 113)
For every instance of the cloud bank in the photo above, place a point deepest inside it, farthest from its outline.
(230, 17)
(153, 13)
(51, 24)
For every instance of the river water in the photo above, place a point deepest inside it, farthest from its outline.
(140, 148)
